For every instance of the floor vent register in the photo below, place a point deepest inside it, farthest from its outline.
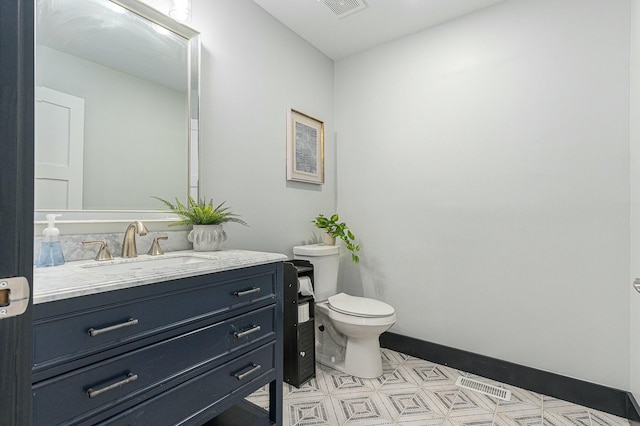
(477, 386)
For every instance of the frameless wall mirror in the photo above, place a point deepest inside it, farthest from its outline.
(117, 91)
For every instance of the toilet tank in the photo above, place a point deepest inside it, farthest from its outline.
(325, 261)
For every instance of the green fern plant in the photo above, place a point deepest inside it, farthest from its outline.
(335, 228)
(201, 212)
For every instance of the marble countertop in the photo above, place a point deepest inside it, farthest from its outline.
(86, 277)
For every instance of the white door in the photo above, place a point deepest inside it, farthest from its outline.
(59, 147)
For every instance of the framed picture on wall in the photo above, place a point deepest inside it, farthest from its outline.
(305, 148)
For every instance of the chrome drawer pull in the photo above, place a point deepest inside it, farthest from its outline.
(130, 378)
(130, 322)
(247, 292)
(254, 368)
(246, 332)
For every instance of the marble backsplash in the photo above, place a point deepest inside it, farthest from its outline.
(73, 249)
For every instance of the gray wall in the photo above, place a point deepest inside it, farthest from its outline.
(253, 70)
(488, 179)
(484, 164)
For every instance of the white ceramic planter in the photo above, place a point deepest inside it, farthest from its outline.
(207, 237)
(329, 240)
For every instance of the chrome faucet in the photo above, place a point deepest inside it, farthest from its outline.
(129, 243)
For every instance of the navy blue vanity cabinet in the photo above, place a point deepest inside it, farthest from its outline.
(176, 352)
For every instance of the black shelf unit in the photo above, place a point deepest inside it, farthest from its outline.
(299, 337)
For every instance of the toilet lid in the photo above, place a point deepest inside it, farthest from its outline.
(359, 306)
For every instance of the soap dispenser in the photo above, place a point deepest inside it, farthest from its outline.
(50, 249)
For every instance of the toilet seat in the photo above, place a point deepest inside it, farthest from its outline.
(359, 306)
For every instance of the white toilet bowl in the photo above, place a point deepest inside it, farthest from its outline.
(361, 321)
(348, 328)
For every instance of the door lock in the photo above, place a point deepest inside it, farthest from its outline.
(14, 296)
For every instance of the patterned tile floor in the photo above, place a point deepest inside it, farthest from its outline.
(415, 392)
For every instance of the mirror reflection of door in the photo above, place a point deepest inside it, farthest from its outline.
(134, 69)
(59, 147)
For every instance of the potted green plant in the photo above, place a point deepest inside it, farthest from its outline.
(207, 233)
(333, 229)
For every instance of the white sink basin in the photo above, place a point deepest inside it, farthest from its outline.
(145, 264)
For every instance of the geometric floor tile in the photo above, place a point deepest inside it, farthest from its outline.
(445, 398)
(414, 392)
(312, 388)
(524, 409)
(557, 412)
(399, 378)
(520, 419)
(311, 412)
(606, 419)
(469, 408)
(569, 418)
(409, 402)
(441, 374)
(361, 408)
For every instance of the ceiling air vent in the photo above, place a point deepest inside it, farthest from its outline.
(342, 8)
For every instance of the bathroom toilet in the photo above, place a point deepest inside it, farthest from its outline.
(348, 328)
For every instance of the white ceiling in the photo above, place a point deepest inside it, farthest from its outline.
(380, 22)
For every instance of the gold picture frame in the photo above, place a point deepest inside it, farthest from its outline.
(305, 148)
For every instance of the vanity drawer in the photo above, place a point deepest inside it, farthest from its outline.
(66, 337)
(85, 393)
(209, 391)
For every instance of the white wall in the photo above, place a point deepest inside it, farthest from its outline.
(485, 166)
(253, 70)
